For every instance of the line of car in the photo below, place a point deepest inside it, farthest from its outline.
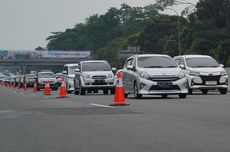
(145, 74)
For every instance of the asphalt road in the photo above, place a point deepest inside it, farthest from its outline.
(37, 123)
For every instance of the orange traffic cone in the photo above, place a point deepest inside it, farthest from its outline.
(119, 98)
(19, 86)
(47, 89)
(25, 87)
(62, 93)
(35, 87)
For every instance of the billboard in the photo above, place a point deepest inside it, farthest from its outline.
(4, 54)
(27, 54)
(68, 54)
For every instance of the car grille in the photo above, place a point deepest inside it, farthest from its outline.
(170, 87)
(210, 78)
(159, 79)
(99, 77)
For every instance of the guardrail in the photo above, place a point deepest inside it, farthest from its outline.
(228, 71)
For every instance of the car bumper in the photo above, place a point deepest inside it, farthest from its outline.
(98, 84)
(196, 82)
(148, 87)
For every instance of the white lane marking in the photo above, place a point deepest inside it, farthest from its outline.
(99, 105)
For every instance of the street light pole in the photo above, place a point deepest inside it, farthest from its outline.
(178, 29)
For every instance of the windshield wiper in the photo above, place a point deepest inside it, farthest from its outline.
(156, 66)
(171, 66)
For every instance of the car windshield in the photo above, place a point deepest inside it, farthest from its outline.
(156, 62)
(96, 66)
(72, 68)
(201, 62)
(46, 75)
(30, 76)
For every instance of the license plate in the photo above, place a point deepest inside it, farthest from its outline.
(99, 81)
(164, 84)
(211, 83)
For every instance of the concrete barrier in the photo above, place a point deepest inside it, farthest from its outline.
(228, 71)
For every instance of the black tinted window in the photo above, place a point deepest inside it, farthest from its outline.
(156, 62)
(201, 62)
(96, 66)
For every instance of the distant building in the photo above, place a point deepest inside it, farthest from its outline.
(132, 50)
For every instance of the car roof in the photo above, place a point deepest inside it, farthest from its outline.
(94, 61)
(71, 64)
(194, 56)
(45, 72)
(146, 55)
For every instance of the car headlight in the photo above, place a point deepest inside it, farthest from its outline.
(110, 76)
(181, 74)
(86, 76)
(194, 73)
(223, 73)
(144, 75)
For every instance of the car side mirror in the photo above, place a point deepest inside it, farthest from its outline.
(130, 67)
(221, 65)
(64, 72)
(76, 70)
(114, 69)
(182, 66)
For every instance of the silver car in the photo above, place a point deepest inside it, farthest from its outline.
(203, 73)
(94, 75)
(153, 74)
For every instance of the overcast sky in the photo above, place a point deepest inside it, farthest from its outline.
(25, 24)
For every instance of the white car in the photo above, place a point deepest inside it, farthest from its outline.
(94, 75)
(153, 74)
(204, 73)
(44, 77)
(69, 74)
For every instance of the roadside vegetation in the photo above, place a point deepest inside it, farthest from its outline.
(203, 29)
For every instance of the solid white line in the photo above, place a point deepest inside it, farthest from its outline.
(93, 104)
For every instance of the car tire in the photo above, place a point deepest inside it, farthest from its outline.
(105, 91)
(182, 95)
(190, 91)
(81, 90)
(136, 90)
(126, 95)
(112, 91)
(204, 91)
(223, 91)
(164, 96)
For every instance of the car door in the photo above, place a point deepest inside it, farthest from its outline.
(77, 77)
(130, 75)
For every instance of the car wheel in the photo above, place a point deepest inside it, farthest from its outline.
(190, 91)
(182, 95)
(126, 95)
(105, 91)
(223, 91)
(136, 90)
(112, 91)
(204, 91)
(76, 92)
(81, 90)
(164, 96)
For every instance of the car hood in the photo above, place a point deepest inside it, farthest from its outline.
(214, 70)
(47, 79)
(162, 71)
(71, 75)
(95, 73)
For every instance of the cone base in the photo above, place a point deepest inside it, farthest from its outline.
(119, 104)
(47, 94)
(63, 97)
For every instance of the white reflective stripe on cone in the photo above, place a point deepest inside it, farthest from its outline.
(119, 82)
